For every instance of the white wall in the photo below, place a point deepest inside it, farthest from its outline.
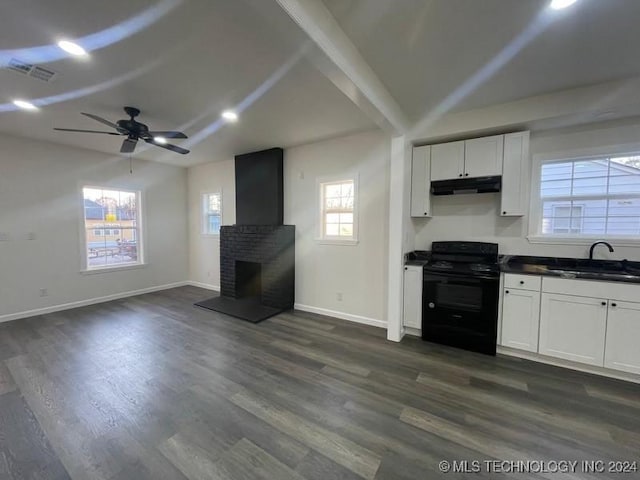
(476, 217)
(359, 272)
(40, 186)
(204, 250)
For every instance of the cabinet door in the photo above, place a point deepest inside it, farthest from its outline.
(514, 189)
(447, 161)
(520, 319)
(622, 351)
(483, 156)
(421, 182)
(412, 297)
(573, 328)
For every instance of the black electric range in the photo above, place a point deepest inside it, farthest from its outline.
(460, 295)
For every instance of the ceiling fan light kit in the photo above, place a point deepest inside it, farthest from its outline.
(134, 131)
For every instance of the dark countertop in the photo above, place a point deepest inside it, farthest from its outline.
(575, 268)
(418, 258)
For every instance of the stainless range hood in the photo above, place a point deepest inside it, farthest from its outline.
(466, 185)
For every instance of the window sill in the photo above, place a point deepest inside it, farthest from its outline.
(95, 271)
(615, 241)
(331, 241)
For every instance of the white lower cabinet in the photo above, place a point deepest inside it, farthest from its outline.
(520, 319)
(573, 328)
(412, 316)
(622, 350)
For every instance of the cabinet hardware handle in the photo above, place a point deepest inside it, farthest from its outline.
(614, 304)
(521, 282)
(604, 303)
(406, 268)
(504, 213)
(460, 175)
(466, 174)
(425, 213)
(506, 291)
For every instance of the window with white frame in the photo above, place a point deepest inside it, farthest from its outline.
(595, 197)
(111, 247)
(211, 213)
(338, 210)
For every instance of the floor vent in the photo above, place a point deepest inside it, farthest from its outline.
(34, 71)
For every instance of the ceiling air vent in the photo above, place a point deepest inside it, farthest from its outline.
(34, 71)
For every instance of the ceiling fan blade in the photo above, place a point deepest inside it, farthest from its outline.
(86, 131)
(168, 146)
(168, 134)
(101, 120)
(128, 145)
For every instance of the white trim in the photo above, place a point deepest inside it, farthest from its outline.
(89, 301)
(536, 357)
(114, 268)
(329, 240)
(204, 213)
(618, 241)
(414, 332)
(341, 315)
(536, 203)
(208, 286)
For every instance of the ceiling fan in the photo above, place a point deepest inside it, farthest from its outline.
(134, 131)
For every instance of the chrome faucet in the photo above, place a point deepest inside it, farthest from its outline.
(598, 243)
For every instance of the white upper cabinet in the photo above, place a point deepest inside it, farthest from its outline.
(483, 156)
(623, 331)
(447, 161)
(573, 328)
(421, 182)
(514, 188)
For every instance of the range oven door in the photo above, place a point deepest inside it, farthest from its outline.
(461, 311)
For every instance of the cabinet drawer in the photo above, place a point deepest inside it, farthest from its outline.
(629, 292)
(523, 282)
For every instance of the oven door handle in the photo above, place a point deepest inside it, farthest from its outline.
(454, 276)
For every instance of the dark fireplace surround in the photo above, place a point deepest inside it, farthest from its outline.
(258, 259)
(257, 255)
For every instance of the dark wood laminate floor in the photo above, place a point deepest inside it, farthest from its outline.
(151, 387)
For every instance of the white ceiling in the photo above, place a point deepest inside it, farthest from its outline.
(182, 71)
(204, 56)
(424, 50)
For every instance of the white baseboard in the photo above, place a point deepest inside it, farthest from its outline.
(208, 286)
(559, 362)
(342, 315)
(89, 301)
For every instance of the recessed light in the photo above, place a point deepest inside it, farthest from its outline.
(230, 116)
(24, 105)
(161, 140)
(560, 4)
(72, 48)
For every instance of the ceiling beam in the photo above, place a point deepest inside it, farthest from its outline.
(344, 65)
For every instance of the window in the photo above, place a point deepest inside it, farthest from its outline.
(111, 247)
(589, 198)
(337, 212)
(211, 213)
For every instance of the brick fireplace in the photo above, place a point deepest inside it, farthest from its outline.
(269, 250)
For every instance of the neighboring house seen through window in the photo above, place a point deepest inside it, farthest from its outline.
(338, 215)
(211, 213)
(589, 198)
(112, 227)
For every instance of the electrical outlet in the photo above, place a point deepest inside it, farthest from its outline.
(44, 292)
(30, 236)
(339, 296)
(4, 237)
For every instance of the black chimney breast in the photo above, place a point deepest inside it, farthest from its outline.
(259, 188)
